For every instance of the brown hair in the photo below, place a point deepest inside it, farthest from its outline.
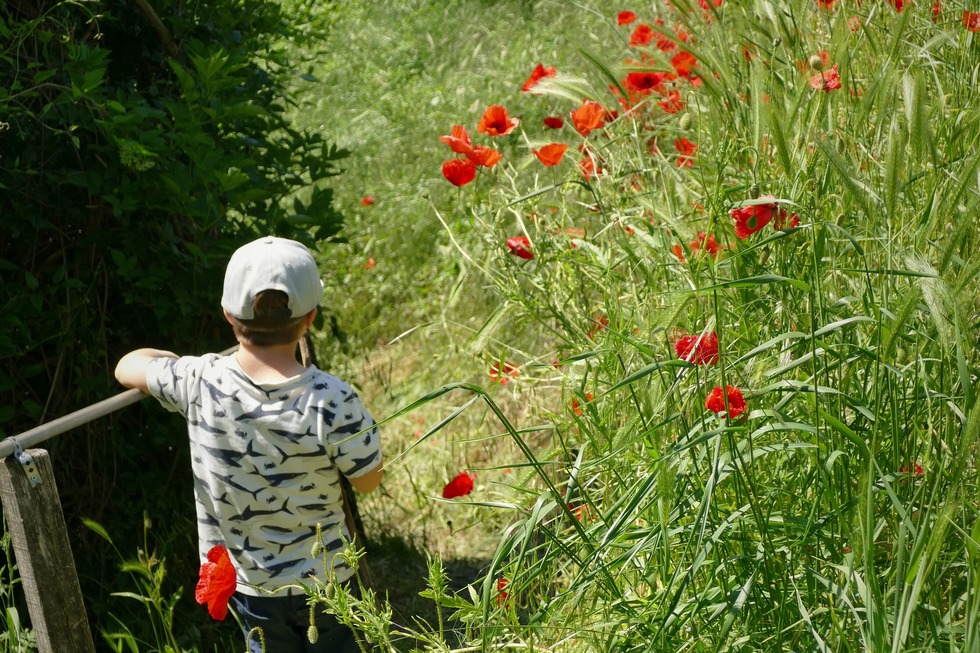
(272, 324)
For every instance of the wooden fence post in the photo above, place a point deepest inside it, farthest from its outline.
(45, 563)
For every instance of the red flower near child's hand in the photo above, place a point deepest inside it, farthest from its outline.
(701, 349)
(716, 401)
(217, 582)
(539, 73)
(460, 486)
(496, 121)
(459, 172)
(551, 155)
(502, 584)
(520, 246)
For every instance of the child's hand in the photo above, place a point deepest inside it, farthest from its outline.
(131, 369)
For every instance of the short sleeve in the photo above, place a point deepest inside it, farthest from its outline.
(174, 381)
(354, 439)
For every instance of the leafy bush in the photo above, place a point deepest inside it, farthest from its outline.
(134, 159)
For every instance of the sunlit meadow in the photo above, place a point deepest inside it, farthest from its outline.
(724, 276)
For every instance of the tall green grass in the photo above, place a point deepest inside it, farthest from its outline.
(647, 522)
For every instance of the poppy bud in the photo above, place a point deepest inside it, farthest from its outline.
(816, 62)
(328, 591)
(754, 190)
(317, 549)
(776, 42)
(685, 121)
(312, 634)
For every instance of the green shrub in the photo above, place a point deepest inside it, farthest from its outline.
(132, 162)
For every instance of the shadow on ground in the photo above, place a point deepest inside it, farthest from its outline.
(399, 570)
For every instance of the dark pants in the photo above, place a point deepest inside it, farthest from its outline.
(285, 620)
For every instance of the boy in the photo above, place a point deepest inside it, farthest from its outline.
(269, 439)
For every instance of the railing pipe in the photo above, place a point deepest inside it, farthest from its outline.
(85, 415)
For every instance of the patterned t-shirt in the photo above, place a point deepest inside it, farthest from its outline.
(266, 460)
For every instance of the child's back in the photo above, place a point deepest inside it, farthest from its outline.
(269, 440)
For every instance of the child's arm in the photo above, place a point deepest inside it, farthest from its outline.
(131, 369)
(369, 481)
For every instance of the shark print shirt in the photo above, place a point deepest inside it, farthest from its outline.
(267, 460)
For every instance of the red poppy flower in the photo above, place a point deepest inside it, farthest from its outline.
(554, 122)
(703, 242)
(496, 122)
(539, 73)
(625, 17)
(459, 172)
(520, 246)
(217, 582)
(704, 4)
(687, 150)
(826, 4)
(916, 469)
(750, 219)
(484, 156)
(642, 35)
(898, 4)
(716, 401)
(502, 584)
(367, 200)
(502, 373)
(701, 349)
(551, 154)
(578, 409)
(458, 140)
(826, 80)
(588, 116)
(971, 20)
(672, 102)
(460, 486)
(588, 167)
(369, 265)
(664, 42)
(599, 323)
(854, 23)
(937, 8)
(781, 220)
(684, 63)
(643, 82)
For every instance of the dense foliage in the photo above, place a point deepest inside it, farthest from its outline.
(138, 147)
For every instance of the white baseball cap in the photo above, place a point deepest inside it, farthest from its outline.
(271, 263)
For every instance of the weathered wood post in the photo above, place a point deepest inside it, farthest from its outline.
(45, 563)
